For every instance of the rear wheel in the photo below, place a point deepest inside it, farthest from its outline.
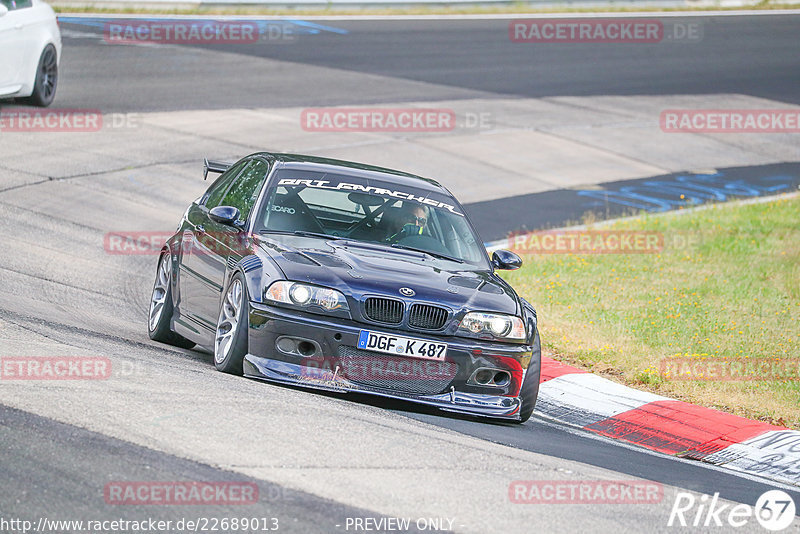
(230, 342)
(44, 87)
(160, 316)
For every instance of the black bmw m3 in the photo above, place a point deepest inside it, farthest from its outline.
(347, 277)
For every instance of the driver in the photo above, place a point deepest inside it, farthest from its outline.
(413, 219)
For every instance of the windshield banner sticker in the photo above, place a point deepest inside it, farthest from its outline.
(345, 186)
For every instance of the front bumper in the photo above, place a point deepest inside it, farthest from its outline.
(337, 365)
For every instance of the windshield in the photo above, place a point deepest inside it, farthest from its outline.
(370, 211)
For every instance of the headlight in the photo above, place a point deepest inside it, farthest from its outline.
(498, 325)
(305, 295)
(300, 294)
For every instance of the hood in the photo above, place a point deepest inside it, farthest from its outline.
(360, 269)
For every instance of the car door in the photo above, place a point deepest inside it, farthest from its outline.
(216, 243)
(34, 20)
(194, 281)
(12, 45)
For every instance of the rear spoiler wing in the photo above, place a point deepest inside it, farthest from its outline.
(217, 167)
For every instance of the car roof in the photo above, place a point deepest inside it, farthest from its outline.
(362, 170)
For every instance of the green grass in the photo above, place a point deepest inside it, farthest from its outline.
(733, 292)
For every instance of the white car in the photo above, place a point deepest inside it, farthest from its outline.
(30, 50)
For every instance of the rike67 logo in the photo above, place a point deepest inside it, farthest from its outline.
(774, 510)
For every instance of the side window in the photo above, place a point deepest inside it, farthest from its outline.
(16, 4)
(244, 191)
(217, 190)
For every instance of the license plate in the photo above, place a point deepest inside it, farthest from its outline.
(401, 346)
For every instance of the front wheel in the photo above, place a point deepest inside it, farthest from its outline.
(530, 385)
(44, 86)
(230, 341)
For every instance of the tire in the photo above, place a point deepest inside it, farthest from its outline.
(44, 87)
(230, 339)
(530, 385)
(160, 313)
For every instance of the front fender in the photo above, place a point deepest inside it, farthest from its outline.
(531, 321)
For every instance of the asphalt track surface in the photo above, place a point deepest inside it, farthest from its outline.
(38, 452)
(178, 419)
(755, 55)
(563, 207)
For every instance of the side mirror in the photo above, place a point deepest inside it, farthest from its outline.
(506, 260)
(227, 215)
(3, 10)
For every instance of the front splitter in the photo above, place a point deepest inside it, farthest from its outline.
(497, 407)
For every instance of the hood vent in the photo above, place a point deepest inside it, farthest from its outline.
(464, 281)
(328, 260)
(296, 257)
(489, 287)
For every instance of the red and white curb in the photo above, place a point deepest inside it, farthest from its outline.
(584, 400)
